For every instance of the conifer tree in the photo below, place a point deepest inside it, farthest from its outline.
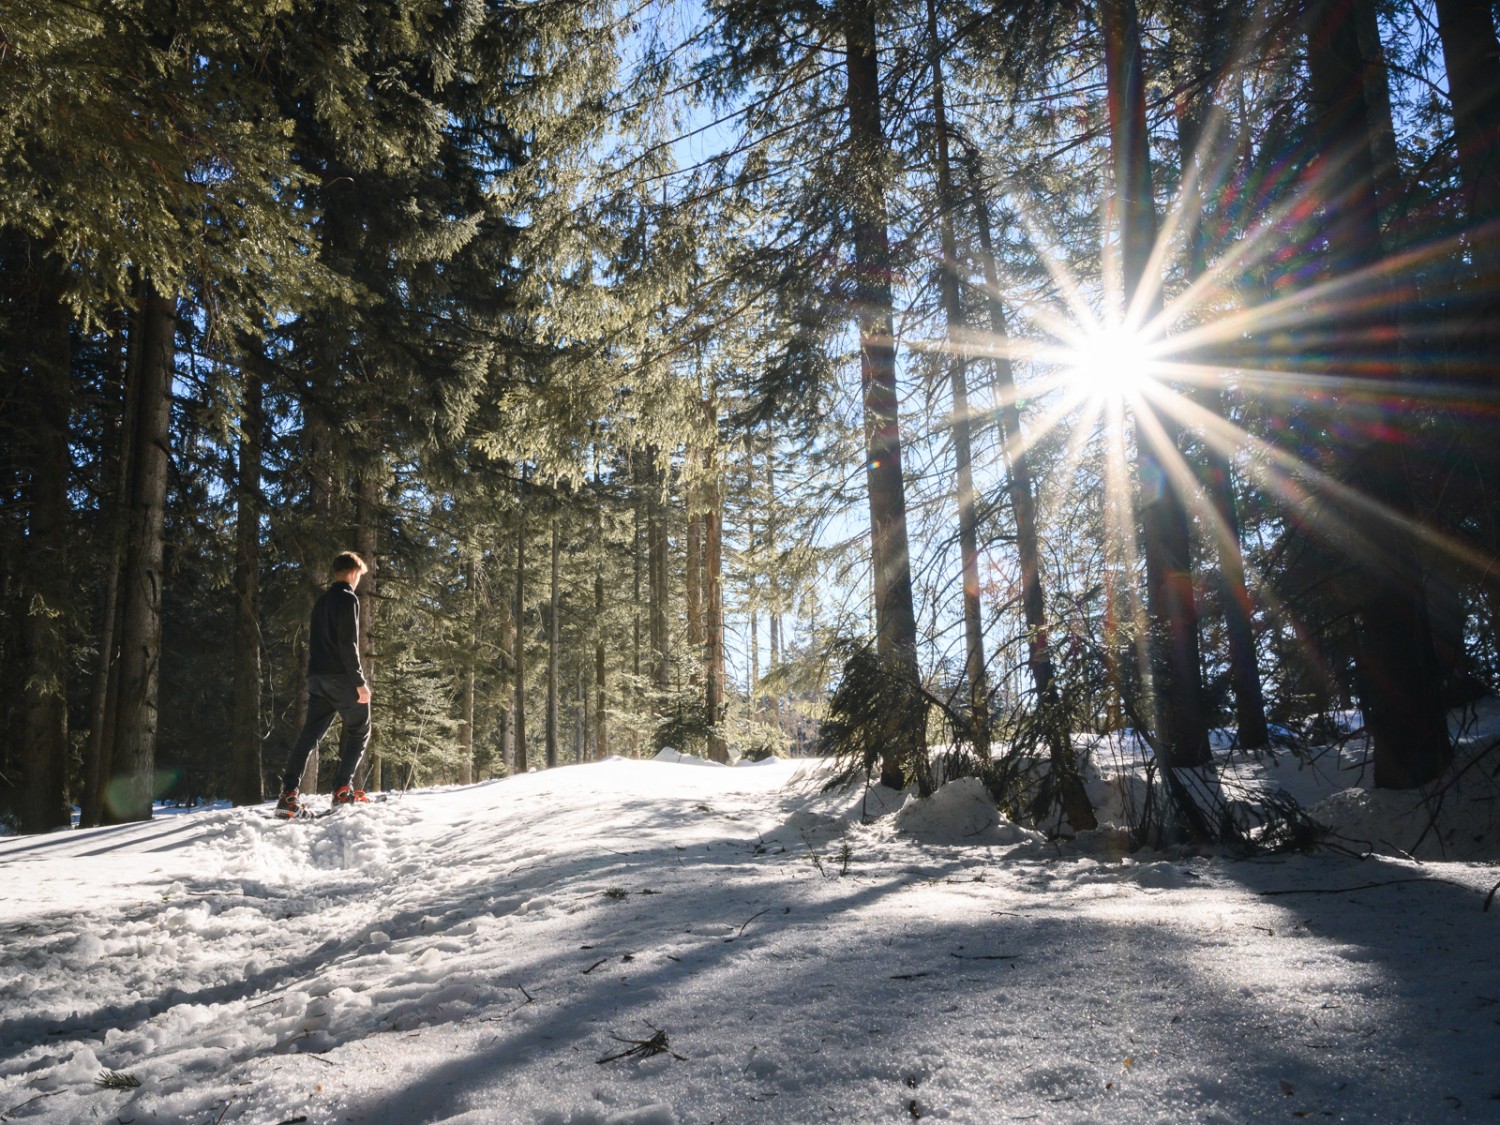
(1403, 698)
(1179, 721)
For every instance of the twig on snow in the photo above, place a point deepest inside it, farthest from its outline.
(643, 1048)
(1360, 887)
(814, 855)
(28, 1101)
(986, 956)
(741, 931)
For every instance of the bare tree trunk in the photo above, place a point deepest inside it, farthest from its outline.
(320, 486)
(1471, 55)
(101, 705)
(975, 664)
(1179, 716)
(635, 566)
(552, 650)
(658, 543)
(1022, 495)
(466, 722)
(694, 563)
(1217, 470)
(580, 714)
(521, 762)
(106, 684)
(506, 611)
(44, 737)
(133, 761)
(1403, 693)
(246, 784)
(890, 555)
(308, 782)
(713, 556)
(601, 713)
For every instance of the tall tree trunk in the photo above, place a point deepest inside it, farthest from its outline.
(713, 589)
(1178, 710)
(101, 704)
(1216, 471)
(635, 603)
(133, 760)
(466, 721)
(601, 713)
(775, 630)
(553, 606)
(1471, 53)
(694, 562)
(320, 488)
(521, 760)
(657, 545)
(246, 784)
(580, 716)
(1403, 697)
(44, 737)
(506, 612)
(1021, 492)
(106, 695)
(975, 664)
(772, 551)
(890, 555)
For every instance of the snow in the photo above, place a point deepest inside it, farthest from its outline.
(469, 954)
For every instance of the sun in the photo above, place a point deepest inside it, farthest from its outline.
(1111, 362)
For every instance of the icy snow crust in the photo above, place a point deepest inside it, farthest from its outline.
(468, 954)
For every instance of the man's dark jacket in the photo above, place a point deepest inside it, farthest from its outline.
(333, 648)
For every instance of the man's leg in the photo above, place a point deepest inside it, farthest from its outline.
(320, 713)
(356, 737)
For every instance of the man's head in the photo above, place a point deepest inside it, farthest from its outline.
(348, 567)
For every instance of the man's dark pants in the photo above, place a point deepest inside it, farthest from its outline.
(328, 696)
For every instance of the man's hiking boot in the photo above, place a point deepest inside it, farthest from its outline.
(348, 795)
(289, 805)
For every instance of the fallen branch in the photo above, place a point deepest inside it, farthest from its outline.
(595, 965)
(643, 1048)
(986, 956)
(1360, 887)
(1489, 898)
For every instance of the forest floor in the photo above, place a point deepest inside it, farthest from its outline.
(658, 942)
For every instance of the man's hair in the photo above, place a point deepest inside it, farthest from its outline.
(347, 561)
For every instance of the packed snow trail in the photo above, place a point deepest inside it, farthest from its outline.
(470, 954)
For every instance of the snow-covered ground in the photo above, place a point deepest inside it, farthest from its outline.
(518, 950)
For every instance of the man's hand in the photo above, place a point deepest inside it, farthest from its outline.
(363, 693)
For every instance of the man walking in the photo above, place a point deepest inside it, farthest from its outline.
(335, 686)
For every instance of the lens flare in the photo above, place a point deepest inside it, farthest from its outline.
(1109, 363)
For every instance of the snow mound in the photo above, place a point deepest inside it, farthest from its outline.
(667, 754)
(1462, 823)
(961, 812)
